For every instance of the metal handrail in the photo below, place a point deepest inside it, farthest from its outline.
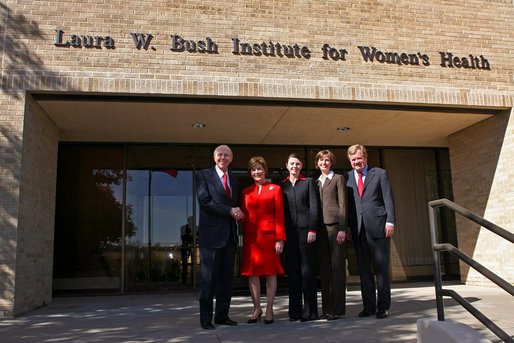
(436, 247)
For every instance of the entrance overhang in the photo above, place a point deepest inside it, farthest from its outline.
(92, 118)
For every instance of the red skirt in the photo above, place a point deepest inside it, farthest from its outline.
(259, 256)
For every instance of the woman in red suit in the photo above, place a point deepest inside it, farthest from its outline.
(263, 237)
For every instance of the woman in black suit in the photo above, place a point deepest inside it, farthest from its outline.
(301, 221)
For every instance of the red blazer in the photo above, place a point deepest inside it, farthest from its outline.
(264, 212)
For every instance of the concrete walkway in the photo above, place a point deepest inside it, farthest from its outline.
(174, 318)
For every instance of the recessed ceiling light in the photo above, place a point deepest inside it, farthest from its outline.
(343, 128)
(199, 125)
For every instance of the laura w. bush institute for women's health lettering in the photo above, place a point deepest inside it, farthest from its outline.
(274, 48)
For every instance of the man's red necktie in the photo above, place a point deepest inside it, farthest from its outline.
(360, 185)
(225, 184)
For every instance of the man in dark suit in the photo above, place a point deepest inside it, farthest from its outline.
(371, 221)
(217, 237)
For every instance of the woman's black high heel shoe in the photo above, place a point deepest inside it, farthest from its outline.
(270, 321)
(253, 321)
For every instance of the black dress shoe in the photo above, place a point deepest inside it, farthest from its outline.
(331, 317)
(308, 319)
(293, 319)
(367, 313)
(207, 326)
(226, 321)
(381, 314)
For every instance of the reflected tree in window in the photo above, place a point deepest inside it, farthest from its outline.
(109, 209)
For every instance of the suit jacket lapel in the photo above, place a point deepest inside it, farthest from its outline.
(327, 182)
(369, 176)
(351, 179)
(321, 188)
(353, 185)
(218, 181)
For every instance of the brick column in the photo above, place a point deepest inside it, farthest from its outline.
(482, 162)
(27, 195)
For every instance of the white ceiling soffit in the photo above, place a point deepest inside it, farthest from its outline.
(254, 122)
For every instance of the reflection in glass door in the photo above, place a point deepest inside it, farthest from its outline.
(159, 244)
(88, 221)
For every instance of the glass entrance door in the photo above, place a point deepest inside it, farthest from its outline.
(125, 214)
(160, 251)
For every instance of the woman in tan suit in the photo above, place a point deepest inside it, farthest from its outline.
(332, 237)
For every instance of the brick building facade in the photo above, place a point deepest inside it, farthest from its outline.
(443, 65)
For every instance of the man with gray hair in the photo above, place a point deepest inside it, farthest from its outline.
(217, 236)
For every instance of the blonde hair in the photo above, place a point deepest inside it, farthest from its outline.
(356, 147)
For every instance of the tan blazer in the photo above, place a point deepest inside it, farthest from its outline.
(334, 202)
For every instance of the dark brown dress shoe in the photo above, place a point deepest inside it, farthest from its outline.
(226, 321)
(207, 326)
(367, 313)
(381, 314)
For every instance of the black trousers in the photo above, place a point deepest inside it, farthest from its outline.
(332, 270)
(301, 270)
(373, 255)
(216, 276)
